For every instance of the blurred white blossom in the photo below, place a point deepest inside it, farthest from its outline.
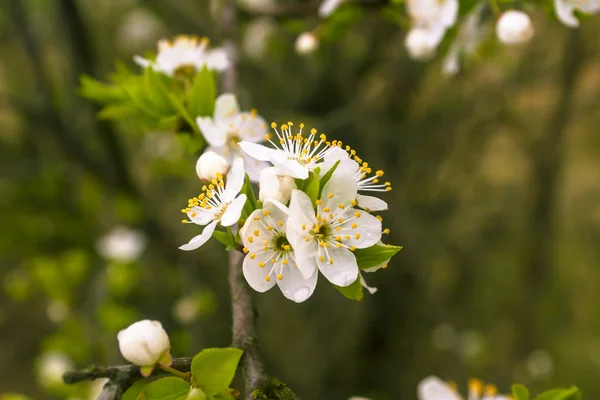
(565, 10)
(307, 43)
(433, 388)
(51, 367)
(327, 7)
(421, 43)
(540, 364)
(138, 30)
(122, 244)
(210, 164)
(186, 309)
(514, 27)
(468, 38)
(57, 311)
(257, 36)
(430, 21)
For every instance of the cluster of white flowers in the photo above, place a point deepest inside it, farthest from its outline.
(433, 388)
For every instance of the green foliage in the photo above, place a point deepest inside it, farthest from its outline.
(13, 396)
(169, 388)
(326, 177)
(352, 292)
(251, 203)
(214, 369)
(201, 96)
(375, 255)
(520, 392)
(311, 185)
(134, 390)
(571, 393)
(226, 238)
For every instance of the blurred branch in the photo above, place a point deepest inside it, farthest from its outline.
(120, 377)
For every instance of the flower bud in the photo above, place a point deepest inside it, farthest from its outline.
(514, 27)
(145, 343)
(275, 186)
(307, 43)
(420, 43)
(210, 164)
(196, 394)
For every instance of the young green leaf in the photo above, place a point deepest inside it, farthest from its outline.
(352, 292)
(327, 176)
(250, 204)
(156, 92)
(214, 369)
(520, 392)
(202, 94)
(375, 255)
(572, 393)
(311, 186)
(134, 390)
(169, 388)
(225, 238)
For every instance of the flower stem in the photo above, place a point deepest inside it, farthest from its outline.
(184, 375)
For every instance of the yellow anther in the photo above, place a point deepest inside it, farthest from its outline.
(279, 276)
(268, 136)
(307, 238)
(327, 209)
(256, 232)
(354, 203)
(341, 220)
(252, 256)
(357, 214)
(301, 125)
(321, 244)
(338, 245)
(256, 218)
(357, 236)
(314, 131)
(388, 189)
(384, 266)
(265, 212)
(352, 248)
(386, 231)
(476, 386)
(250, 239)
(339, 228)
(379, 218)
(354, 226)
(318, 202)
(245, 250)
(184, 221)
(269, 228)
(491, 390)
(330, 195)
(347, 237)
(267, 278)
(303, 226)
(327, 245)
(341, 205)
(331, 261)
(273, 260)
(261, 264)
(321, 259)
(280, 222)
(273, 125)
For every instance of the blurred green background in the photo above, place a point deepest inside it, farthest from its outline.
(496, 178)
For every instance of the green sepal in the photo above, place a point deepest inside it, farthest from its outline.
(202, 94)
(375, 255)
(520, 392)
(571, 393)
(327, 176)
(311, 185)
(352, 292)
(169, 388)
(225, 238)
(250, 204)
(214, 369)
(146, 371)
(165, 359)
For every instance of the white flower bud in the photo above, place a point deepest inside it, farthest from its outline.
(306, 43)
(209, 164)
(275, 186)
(51, 368)
(145, 343)
(514, 27)
(420, 43)
(122, 244)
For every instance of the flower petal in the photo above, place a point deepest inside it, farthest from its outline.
(565, 13)
(340, 267)
(213, 135)
(255, 274)
(432, 388)
(200, 216)
(199, 240)
(142, 62)
(226, 106)
(256, 151)
(301, 209)
(234, 211)
(367, 232)
(371, 203)
(294, 286)
(282, 207)
(217, 59)
(342, 188)
(253, 167)
(305, 253)
(235, 179)
(285, 166)
(363, 283)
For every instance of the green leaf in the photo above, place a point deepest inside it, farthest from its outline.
(169, 388)
(520, 392)
(327, 176)
(13, 396)
(225, 238)
(214, 369)
(99, 91)
(250, 204)
(311, 186)
(134, 390)
(375, 255)
(572, 393)
(186, 115)
(156, 92)
(202, 94)
(299, 183)
(352, 292)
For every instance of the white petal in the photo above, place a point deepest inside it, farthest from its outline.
(301, 209)
(368, 228)
(235, 179)
(213, 135)
(371, 203)
(432, 388)
(256, 151)
(564, 12)
(256, 275)
(328, 6)
(341, 268)
(234, 211)
(286, 166)
(217, 59)
(344, 188)
(449, 12)
(294, 286)
(252, 127)
(141, 61)
(226, 106)
(305, 253)
(590, 6)
(281, 207)
(253, 167)
(200, 216)
(199, 240)
(451, 64)
(250, 227)
(363, 283)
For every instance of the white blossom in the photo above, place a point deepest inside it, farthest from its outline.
(270, 258)
(257, 37)
(219, 202)
(122, 244)
(421, 43)
(327, 7)
(145, 343)
(292, 154)
(433, 388)
(514, 27)
(275, 186)
(228, 127)
(57, 311)
(565, 10)
(467, 40)
(307, 43)
(210, 164)
(185, 54)
(186, 309)
(51, 367)
(326, 239)
(430, 20)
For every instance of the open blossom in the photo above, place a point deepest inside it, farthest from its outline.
(430, 20)
(122, 244)
(565, 10)
(228, 127)
(185, 55)
(270, 259)
(273, 185)
(325, 239)
(514, 27)
(219, 202)
(433, 388)
(292, 154)
(145, 343)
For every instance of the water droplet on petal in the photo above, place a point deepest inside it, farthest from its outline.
(301, 294)
(369, 233)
